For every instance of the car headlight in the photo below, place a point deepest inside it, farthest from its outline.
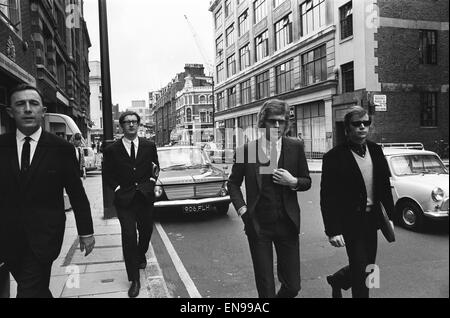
(437, 194)
(158, 191)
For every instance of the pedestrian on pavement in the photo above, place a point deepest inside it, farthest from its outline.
(131, 169)
(4, 281)
(76, 140)
(36, 167)
(275, 169)
(355, 179)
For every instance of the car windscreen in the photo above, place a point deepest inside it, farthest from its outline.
(181, 158)
(417, 164)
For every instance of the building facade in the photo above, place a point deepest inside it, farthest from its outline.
(166, 105)
(96, 102)
(324, 56)
(41, 44)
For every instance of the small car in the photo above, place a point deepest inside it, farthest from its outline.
(188, 182)
(420, 186)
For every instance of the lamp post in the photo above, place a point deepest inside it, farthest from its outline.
(109, 210)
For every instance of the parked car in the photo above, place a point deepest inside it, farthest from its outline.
(420, 186)
(188, 182)
(89, 159)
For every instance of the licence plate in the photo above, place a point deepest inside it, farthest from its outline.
(196, 208)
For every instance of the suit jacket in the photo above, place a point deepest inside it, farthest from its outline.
(120, 170)
(32, 205)
(294, 162)
(343, 196)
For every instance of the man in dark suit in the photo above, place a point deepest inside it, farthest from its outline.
(4, 281)
(131, 168)
(355, 179)
(35, 168)
(274, 168)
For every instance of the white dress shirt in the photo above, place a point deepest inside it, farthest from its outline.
(20, 137)
(127, 143)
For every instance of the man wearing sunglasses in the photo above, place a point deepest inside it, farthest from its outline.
(131, 168)
(355, 179)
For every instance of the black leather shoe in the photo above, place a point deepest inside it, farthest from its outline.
(336, 291)
(135, 287)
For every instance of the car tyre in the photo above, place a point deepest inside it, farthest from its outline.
(411, 216)
(223, 208)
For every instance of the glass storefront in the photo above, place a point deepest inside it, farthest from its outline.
(311, 126)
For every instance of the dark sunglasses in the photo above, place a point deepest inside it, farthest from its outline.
(358, 123)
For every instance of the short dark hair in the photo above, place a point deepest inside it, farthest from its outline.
(77, 136)
(25, 87)
(271, 107)
(128, 113)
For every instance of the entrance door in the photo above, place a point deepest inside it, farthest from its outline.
(340, 133)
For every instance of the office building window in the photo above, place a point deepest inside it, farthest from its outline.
(246, 92)
(276, 3)
(244, 57)
(428, 47)
(283, 32)
(231, 97)
(314, 66)
(346, 18)
(219, 46)
(188, 115)
(348, 78)
(311, 124)
(260, 10)
(228, 8)
(218, 18)
(284, 74)
(243, 23)
(220, 99)
(220, 73)
(229, 37)
(262, 46)
(10, 12)
(231, 65)
(312, 13)
(262, 85)
(428, 116)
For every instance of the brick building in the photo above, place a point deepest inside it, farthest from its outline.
(324, 56)
(165, 112)
(48, 48)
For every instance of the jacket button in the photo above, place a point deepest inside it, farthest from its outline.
(134, 169)
(136, 184)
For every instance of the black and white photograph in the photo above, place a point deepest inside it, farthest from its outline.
(224, 153)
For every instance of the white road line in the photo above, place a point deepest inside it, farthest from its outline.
(182, 272)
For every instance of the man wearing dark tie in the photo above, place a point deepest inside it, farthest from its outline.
(36, 167)
(275, 169)
(131, 169)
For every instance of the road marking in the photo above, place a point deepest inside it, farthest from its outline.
(182, 272)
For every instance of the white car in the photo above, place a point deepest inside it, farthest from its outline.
(90, 161)
(420, 186)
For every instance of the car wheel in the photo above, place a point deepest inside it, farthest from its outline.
(223, 208)
(411, 216)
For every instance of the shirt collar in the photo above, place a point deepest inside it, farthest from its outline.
(34, 137)
(128, 142)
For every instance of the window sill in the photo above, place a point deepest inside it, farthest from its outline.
(347, 39)
(429, 127)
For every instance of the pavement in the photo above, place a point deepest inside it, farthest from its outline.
(102, 274)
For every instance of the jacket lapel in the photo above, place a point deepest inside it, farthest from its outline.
(353, 165)
(141, 150)
(14, 157)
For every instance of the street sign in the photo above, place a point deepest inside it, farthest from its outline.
(380, 102)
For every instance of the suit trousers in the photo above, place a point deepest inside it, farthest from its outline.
(32, 276)
(283, 235)
(4, 282)
(361, 251)
(138, 215)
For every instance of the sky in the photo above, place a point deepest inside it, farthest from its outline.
(150, 41)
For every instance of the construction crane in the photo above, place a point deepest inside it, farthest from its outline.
(208, 64)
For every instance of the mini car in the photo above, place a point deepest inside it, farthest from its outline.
(420, 186)
(188, 182)
(89, 159)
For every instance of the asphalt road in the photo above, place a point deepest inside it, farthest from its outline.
(211, 253)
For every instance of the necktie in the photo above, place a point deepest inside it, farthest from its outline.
(25, 158)
(133, 152)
